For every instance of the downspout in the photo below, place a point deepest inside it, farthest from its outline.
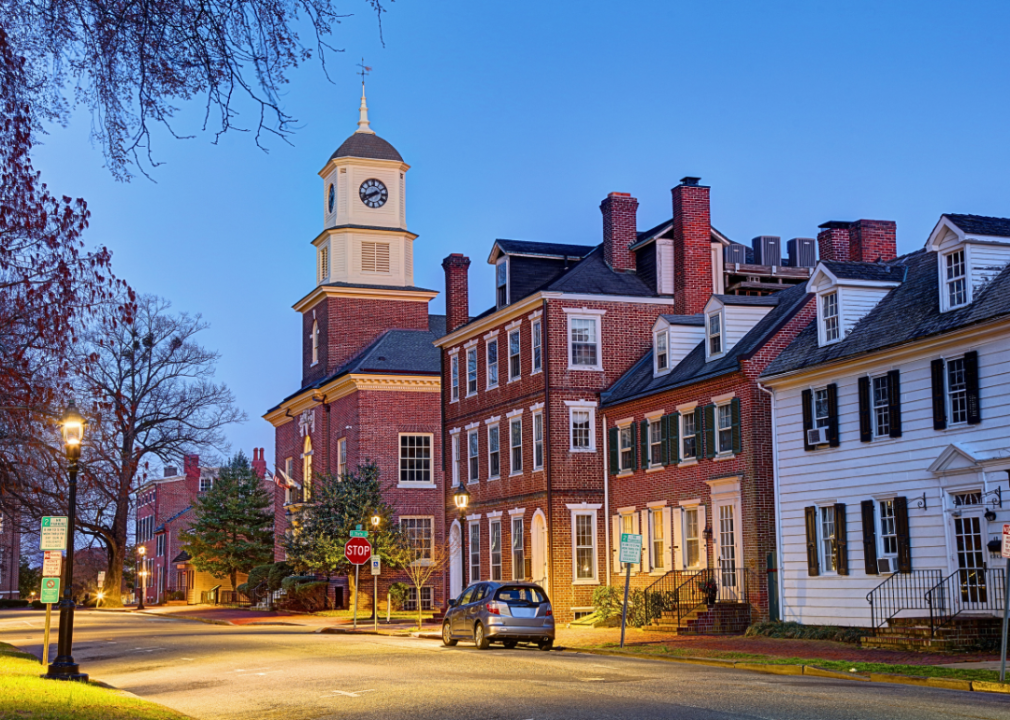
(778, 507)
(606, 501)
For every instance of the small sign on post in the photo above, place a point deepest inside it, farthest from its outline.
(359, 533)
(52, 563)
(1006, 600)
(376, 565)
(53, 535)
(50, 590)
(630, 553)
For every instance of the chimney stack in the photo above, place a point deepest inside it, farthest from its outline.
(191, 469)
(620, 230)
(833, 241)
(457, 298)
(259, 463)
(859, 241)
(692, 247)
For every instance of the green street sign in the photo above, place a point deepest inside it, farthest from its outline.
(359, 533)
(631, 548)
(50, 590)
(53, 535)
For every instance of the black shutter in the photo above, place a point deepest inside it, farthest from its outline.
(615, 450)
(646, 448)
(865, 426)
(673, 438)
(833, 439)
(841, 541)
(663, 434)
(634, 447)
(813, 563)
(894, 401)
(737, 435)
(807, 398)
(699, 433)
(869, 538)
(936, 369)
(971, 381)
(901, 529)
(710, 431)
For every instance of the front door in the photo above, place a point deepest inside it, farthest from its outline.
(969, 550)
(455, 562)
(538, 542)
(727, 551)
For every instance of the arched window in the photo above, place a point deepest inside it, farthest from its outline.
(307, 470)
(315, 341)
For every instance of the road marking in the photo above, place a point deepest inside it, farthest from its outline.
(592, 679)
(356, 693)
(186, 658)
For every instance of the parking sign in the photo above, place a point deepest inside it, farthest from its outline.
(631, 548)
(1006, 540)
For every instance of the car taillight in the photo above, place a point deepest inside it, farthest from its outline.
(493, 608)
(549, 610)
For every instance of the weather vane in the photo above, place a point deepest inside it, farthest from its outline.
(365, 69)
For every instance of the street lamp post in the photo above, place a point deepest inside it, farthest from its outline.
(462, 500)
(64, 667)
(375, 578)
(140, 576)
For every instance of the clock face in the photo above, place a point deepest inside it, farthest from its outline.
(373, 193)
(333, 196)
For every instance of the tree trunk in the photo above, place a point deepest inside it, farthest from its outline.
(117, 542)
(233, 576)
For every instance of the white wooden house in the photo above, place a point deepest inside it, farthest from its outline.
(892, 435)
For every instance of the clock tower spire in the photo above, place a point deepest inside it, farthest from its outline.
(363, 126)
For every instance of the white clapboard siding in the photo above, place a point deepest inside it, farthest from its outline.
(739, 320)
(858, 471)
(684, 339)
(855, 302)
(986, 263)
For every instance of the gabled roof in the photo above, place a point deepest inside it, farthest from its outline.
(877, 272)
(758, 300)
(685, 319)
(981, 224)
(377, 287)
(182, 557)
(639, 381)
(537, 249)
(367, 145)
(908, 312)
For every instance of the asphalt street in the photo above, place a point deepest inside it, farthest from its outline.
(290, 673)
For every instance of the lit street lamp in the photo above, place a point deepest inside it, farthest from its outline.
(141, 573)
(72, 426)
(462, 499)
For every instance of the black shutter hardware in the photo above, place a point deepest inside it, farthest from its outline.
(813, 562)
(869, 538)
(865, 426)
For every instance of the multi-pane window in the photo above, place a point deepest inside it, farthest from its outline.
(495, 527)
(655, 443)
(881, 406)
(514, 355)
(580, 429)
(584, 342)
(473, 455)
(662, 352)
(474, 552)
(957, 391)
(888, 528)
(727, 546)
(829, 311)
(306, 470)
(725, 428)
(160, 543)
(968, 498)
(516, 443)
(692, 542)
(518, 553)
(538, 440)
(492, 363)
(207, 480)
(827, 523)
(537, 346)
(627, 447)
(658, 538)
(415, 458)
(471, 371)
(493, 452)
(410, 602)
(341, 457)
(956, 280)
(454, 377)
(714, 334)
(585, 547)
(501, 282)
(821, 414)
(455, 459)
(315, 342)
(688, 437)
(418, 533)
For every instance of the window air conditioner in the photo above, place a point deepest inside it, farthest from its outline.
(817, 436)
(885, 565)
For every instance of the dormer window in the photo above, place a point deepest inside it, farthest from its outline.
(662, 354)
(955, 279)
(714, 334)
(501, 282)
(829, 317)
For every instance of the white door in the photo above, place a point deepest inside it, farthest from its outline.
(455, 561)
(538, 542)
(728, 558)
(968, 530)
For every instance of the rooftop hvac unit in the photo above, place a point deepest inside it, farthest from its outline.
(767, 249)
(802, 252)
(735, 253)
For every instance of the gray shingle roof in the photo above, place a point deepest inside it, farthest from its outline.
(758, 300)
(880, 272)
(908, 312)
(981, 224)
(546, 249)
(684, 319)
(366, 145)
(592, 276)
(639, 382)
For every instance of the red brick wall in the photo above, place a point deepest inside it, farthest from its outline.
(457, 297)
(619, 230)
(692, 253)
(870, 240)
(833, 241)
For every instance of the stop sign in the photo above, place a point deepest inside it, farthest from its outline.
(358, 551)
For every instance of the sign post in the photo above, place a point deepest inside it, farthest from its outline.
(53, 535)
(1006, 600)
(357, 550)
(631, 553)
(376, 571)
(50, 594)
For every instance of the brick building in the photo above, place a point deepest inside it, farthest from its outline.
(370, 373)
(10, 548)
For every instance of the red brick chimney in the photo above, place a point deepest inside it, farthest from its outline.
(692, 247)
(457, 298)
(259, 463)
(620, 230)
(873, 240)
(191, 468)
(833, 241)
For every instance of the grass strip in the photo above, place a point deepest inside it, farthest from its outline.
(26, 695)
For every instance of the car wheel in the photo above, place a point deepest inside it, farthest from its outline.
(509, 644)
(480, 638)
(447, 636)
(545, 644)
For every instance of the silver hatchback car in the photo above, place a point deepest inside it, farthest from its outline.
(505, 612)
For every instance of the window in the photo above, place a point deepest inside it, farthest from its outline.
(692, 542)
(662, 353)
(518, 553)
(207, 480)
(324, 264)
(888, 529)
(585, 547)
(315, 342)
(537, 347)
(584, 342)
(827, 528)
(968, 498)
(655, 443)
(495, 549)
(375, 257)
(516, 444)
(415, 459)
(493, 452)
(881, 406)
(514, 356)
(688, 436)
(501, 282)
(418, 533)
(714, 334)
(538, 441)
(161, 545)
(341, 457)
(289, 467)
(957, 391)
(471, 371)
(627, 447)
(821, 414)
(580, 429)
(954, 277)
(455, 459)
(829, 312)
(410, 602)
(473, 456)
(492, 363)
(454, 378)
(306, 469)
(724, 415)
(658, 545)
(474, 552)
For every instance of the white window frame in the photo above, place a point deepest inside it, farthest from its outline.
(341, 457)
(684, 436)
(473, 550)
(537, 344)
(515, 468)
(518, 573)
(454, 449)
(581, 406)
(827, 559)
(472, 456)
(596, 317)
(492, 367)
(515, 360)
(590, 510)
(946, 280)
(875, 409)
(830, 333)
(315, 343)
(493, 430)
(709, 335)
(454, 377)
(621, 449)
(494, 523)
(949, 394)
(471, 382)
(655, 426)
(538, 420)
(431, 547)
(882, 523)
(660, 368)
(306, 469)
(657, 556)
(504, 261)
(820, 421)
(720, 429)
(430, 483)
(699, 527)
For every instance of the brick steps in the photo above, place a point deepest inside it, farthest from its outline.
(914, 634)
(721, 619)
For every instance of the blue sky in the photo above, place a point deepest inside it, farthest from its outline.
(518, 118)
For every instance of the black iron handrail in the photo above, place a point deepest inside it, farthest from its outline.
(974, 589)
(681, 592)
(901, 591)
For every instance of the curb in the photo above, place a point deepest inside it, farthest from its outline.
(985, 686)
(170, 616)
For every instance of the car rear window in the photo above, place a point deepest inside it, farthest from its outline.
(521, 595)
